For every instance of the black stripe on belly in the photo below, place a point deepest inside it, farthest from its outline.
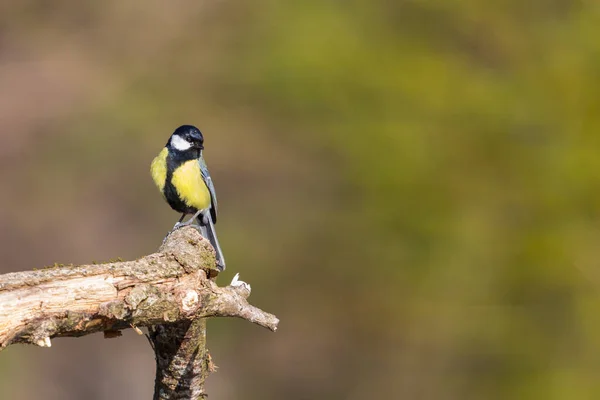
(175, 201)
(174, 160)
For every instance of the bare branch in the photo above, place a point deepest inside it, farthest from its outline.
(161, 288)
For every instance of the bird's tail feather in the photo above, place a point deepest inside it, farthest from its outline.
(208, 231)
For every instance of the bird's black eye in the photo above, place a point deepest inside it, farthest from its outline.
(196, 137)
(191, 134)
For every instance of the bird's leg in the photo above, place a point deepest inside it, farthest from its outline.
(188, 222)
(175, 227)
(178, 223)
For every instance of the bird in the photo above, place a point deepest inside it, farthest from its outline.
(181, 175)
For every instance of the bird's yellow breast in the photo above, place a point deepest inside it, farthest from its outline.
(187, 180)
(158, 169)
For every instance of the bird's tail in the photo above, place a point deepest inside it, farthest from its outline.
(208, 231)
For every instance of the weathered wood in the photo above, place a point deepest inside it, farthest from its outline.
(167, 291)
(182, 360)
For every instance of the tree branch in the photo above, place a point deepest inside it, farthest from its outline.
(168, 291)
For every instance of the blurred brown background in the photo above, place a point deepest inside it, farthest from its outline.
(412, 187)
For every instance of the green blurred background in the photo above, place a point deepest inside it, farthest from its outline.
(412, 187)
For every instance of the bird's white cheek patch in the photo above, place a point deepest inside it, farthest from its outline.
(180, 143)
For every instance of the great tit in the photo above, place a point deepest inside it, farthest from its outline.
(180, 173)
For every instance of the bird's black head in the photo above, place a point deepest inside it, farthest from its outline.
(186, 138)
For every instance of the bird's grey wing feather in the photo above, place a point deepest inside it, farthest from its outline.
(206, 222)
(211, 188)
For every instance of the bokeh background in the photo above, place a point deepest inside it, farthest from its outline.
(412, 187)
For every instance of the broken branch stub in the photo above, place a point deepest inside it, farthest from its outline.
(169, 286)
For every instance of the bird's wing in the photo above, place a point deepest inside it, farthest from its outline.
(211, 188)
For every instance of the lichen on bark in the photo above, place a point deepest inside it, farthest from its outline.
(170, 292)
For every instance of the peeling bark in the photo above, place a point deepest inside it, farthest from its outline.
(169, 292)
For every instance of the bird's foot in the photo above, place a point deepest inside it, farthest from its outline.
(179, 225)
(189, 222)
